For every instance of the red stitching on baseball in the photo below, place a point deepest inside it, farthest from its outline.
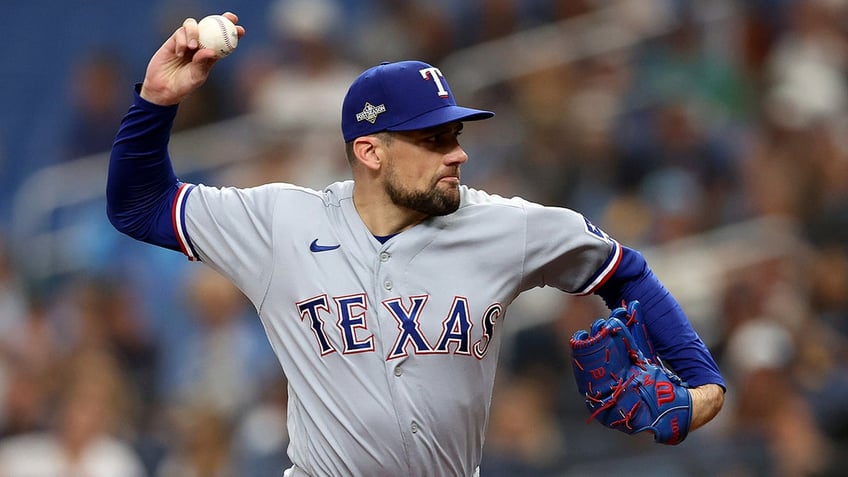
(224, 32)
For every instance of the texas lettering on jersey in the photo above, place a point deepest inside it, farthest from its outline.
(348, 315)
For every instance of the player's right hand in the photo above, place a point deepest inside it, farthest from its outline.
(179, 67)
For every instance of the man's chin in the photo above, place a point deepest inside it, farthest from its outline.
(448, 205)
(443, 199)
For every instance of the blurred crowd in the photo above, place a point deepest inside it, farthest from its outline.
(144, 365)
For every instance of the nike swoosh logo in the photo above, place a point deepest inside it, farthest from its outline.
(314, 247)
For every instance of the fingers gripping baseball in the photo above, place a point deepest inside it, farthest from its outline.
(625, 388)
(180, 66)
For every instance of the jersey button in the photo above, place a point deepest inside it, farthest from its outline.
(414, 427)
(385, 256)
(387, 284)
(398, 371)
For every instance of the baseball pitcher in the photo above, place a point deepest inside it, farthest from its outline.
(383, 296)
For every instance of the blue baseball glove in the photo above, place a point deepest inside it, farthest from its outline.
(625, 383)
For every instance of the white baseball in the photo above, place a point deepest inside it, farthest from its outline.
(218, 33)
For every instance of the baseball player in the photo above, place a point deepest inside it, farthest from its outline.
(382, 296)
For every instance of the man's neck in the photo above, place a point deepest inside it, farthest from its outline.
(381, 216)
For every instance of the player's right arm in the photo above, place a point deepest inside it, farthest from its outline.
(142, 189)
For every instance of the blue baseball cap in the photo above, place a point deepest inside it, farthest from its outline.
(402, 96)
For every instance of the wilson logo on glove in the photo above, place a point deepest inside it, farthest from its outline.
(665, 393)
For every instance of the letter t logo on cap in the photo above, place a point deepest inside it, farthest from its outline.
(433, 72)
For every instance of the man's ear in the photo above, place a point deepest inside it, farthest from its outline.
(367, 151)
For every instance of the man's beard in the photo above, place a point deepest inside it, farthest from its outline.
(435, 202)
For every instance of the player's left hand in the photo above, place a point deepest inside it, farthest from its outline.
(180, 66)
(627, 388)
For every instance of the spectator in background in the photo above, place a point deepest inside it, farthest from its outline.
(683, 127)
(778, 353)
(770, 410)
(83, 439)
(201, 447)
(13, 305)
(261, 436)
(399, 29)
(223, 361)
(96, 99)
(298, 85)
(309, 75)
(806, 67)
(524, 438)
(25, 400)
(30, 360)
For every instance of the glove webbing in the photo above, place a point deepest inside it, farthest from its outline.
(635, 357)
(617, 389)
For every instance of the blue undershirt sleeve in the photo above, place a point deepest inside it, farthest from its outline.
(141, 184)
(673, 336)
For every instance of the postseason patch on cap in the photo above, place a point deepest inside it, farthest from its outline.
(370, 112)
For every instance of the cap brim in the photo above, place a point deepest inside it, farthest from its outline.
(437, 117)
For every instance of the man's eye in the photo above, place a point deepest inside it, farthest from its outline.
(443, 138)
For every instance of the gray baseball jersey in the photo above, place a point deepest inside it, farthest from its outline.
(390, 349)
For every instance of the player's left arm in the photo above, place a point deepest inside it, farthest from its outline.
(582, 259)
(670, 331)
